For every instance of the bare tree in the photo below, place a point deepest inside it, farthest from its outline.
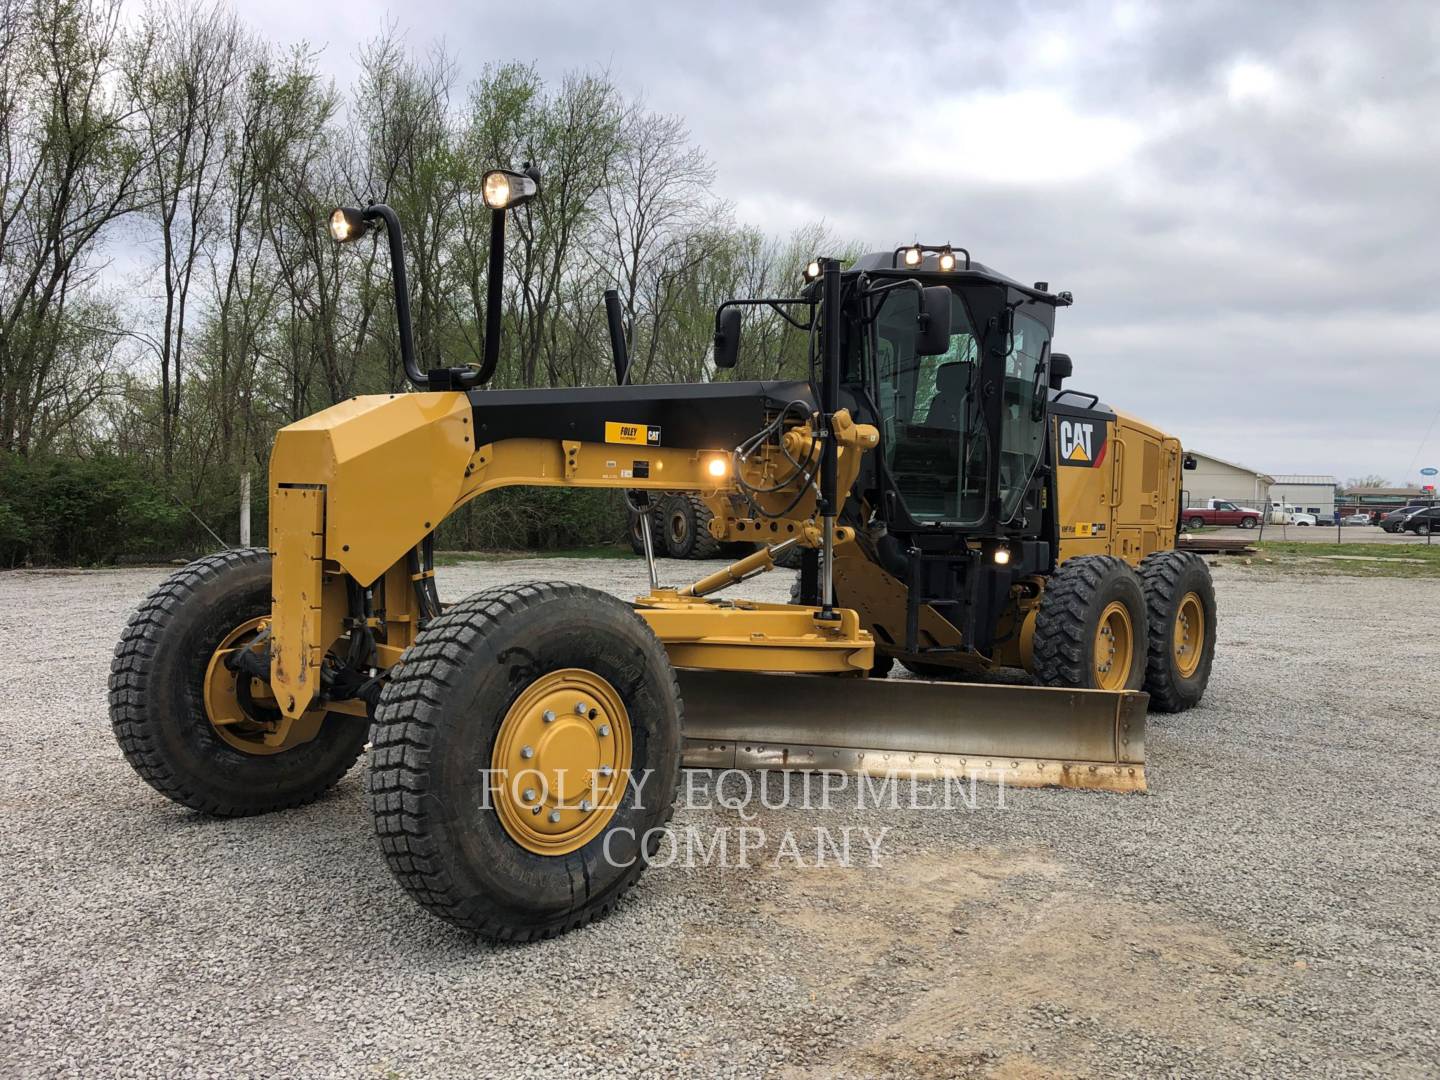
(69, 172)
(181, 68)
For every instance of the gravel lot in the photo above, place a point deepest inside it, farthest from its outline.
(1271, 908)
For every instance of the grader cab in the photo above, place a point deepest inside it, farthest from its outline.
(956, 508)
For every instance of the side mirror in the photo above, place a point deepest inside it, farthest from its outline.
(1190, 462)
(1060, 369)
(933, 338)
(727, 337)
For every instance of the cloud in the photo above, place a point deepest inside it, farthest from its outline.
(1241, 196)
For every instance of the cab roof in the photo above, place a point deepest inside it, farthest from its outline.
(886, 262)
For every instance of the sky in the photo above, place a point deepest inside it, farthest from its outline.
(1244, 197)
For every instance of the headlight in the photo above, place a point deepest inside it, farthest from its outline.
(812, 270)
(947, 260)
(502, 189)
(347, 224)
(913, 256)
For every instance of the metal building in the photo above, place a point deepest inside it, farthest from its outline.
(1310, 494)
(1216, 478)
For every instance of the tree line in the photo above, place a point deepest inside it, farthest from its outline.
(170, 297)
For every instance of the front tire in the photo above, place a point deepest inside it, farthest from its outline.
(1247, 523)
(1091, 628)
(469, 731)
(162, 694)
(1180, 598)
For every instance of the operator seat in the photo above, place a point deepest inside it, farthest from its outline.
(947, 407)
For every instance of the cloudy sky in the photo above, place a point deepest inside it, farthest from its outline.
(1244, 197)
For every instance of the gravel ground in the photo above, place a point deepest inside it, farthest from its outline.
(1270, 908)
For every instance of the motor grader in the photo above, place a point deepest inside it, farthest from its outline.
(957, 508)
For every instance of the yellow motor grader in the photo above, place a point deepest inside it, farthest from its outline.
(957, 509)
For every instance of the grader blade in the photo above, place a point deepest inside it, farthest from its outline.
(1027, 736)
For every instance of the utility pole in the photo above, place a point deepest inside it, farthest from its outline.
(245, 508)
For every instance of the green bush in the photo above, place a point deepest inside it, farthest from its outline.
(535, 519)
(84, 511)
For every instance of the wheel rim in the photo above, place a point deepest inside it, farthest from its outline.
(1187, 641)
(1114, 647)
(263, 735)
(679, 527)
(560, 762)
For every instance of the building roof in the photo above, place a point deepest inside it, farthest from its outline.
(1235, 465)
(1305, 478)
(1391, 492)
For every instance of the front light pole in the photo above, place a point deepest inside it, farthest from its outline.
(402, 291)
(493, 301)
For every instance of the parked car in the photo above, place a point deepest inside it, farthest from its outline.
(1299, 517)
(1220, 512)
(1423, 522)
(1395, 520)
(1356, 519)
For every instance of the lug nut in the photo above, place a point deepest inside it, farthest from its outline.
(606, 770)
(548, 716)
(529, 794)
(581, 708)
(604, 730)
(585, 806)
(527, 751)
(554, 817)
(534, 809)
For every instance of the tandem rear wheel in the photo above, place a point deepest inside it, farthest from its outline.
(1180, 598)
(525, 759)
(1091, 629)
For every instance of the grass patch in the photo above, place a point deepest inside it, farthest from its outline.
(599, 551)
(1353, 560)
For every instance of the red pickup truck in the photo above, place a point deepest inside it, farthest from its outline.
(1220, 512)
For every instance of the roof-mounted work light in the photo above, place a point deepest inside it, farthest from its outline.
(503, 189)
(346, 224)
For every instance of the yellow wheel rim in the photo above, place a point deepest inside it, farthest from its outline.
(561, 761)
(1187, 641)
(222, 703)
(1114, 647)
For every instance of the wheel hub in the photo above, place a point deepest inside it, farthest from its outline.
(262, 729)
(561, 761)
(1188, 638)
(1113, 650)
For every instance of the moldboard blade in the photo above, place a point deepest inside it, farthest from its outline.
(1028, 736)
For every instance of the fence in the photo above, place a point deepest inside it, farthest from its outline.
(1346, 523)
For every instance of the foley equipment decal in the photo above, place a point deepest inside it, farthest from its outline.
(631, 434)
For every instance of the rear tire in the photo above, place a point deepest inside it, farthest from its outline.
(1085, 597)
(1178, 589)
(637, 540)
(687, 528)
(157, 698)
(450, 704)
